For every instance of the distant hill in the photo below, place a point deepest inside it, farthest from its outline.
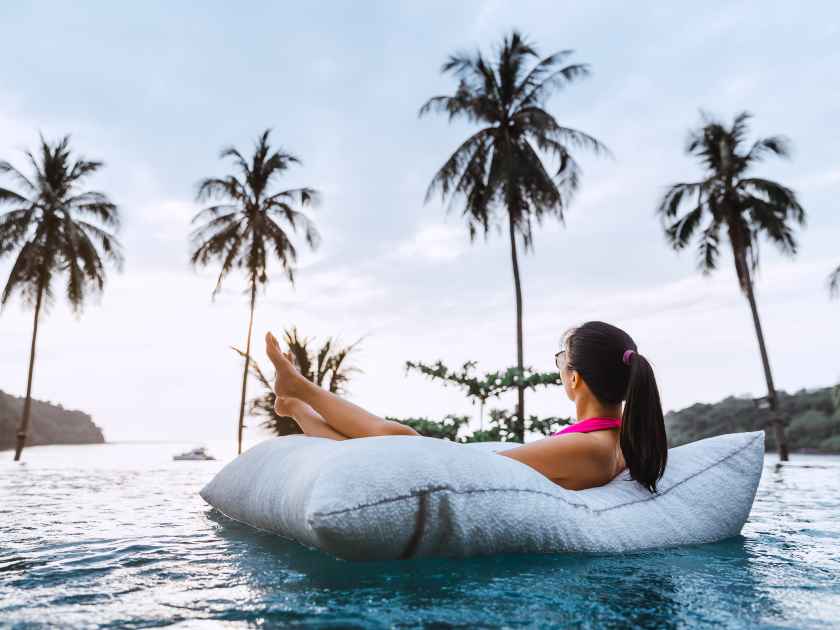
(49, 424)
(813, 420)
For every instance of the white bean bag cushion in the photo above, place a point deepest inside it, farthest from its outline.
(405, 496)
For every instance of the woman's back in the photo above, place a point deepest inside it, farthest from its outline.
(581, 456)
(599, 438)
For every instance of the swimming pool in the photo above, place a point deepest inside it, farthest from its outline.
(116, 535)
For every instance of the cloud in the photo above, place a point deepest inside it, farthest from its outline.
(434, 242)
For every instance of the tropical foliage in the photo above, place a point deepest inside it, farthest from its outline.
(246, 226)
(445, 429)
(520, 158)
(490, 385)
(503, 426)
(55, 229)
(730, 199)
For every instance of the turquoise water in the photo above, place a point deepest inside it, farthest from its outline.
(117, 536)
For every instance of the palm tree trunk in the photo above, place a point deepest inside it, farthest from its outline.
(241, 426)
(23, 427)
(520, 408)
(778, 426)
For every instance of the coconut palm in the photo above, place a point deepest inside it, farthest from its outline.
(746, 207)
(325, 366)
(243, 229)
(501, 165)
(57, 229)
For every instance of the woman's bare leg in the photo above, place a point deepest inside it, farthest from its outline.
(342, 415)
(346, 417)
(309, 420)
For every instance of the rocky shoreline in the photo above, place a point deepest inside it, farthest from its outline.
(49, 424)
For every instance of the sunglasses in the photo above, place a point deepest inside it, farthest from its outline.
(560, 361)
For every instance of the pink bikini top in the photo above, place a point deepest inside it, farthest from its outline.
(589, 425)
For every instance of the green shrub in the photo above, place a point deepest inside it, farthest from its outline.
(446, 429)
(815, 423)
(830, 445)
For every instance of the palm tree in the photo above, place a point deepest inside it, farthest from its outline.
(747, 207)
(326, 366)
(243, 229)
(55, 227)
(501, 164)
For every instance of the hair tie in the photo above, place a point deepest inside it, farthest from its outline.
(626, 358)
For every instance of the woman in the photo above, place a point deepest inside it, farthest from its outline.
(599, 367)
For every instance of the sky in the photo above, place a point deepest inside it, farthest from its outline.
(157, 89)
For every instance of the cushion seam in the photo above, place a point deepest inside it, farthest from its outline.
(446, 488)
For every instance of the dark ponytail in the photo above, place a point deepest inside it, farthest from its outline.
(642, 439)
(608, 360)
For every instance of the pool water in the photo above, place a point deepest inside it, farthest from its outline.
(116, 536)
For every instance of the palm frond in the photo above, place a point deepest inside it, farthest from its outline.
(680, 231)
(14, 226)
(457, 167)
(542, 126)
(709, 248)
(538, 73)
(834, 282)
(771, 220)
(675, 196)
(775, 145)
(229, 187)
(29, 273)
(299, 347)
(6, 167)
(107, 242)
(780, 197)
(339, 373)
(296, 219)
(556, 80)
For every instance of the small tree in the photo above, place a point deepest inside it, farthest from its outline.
(492, 384)
(503, 425)
(446, 429)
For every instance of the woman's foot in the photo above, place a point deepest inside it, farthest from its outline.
(288, 380)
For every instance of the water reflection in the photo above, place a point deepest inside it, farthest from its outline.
(662, 588)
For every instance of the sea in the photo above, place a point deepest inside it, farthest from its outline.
(116, 536)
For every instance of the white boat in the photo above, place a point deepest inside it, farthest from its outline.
(199, 453)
